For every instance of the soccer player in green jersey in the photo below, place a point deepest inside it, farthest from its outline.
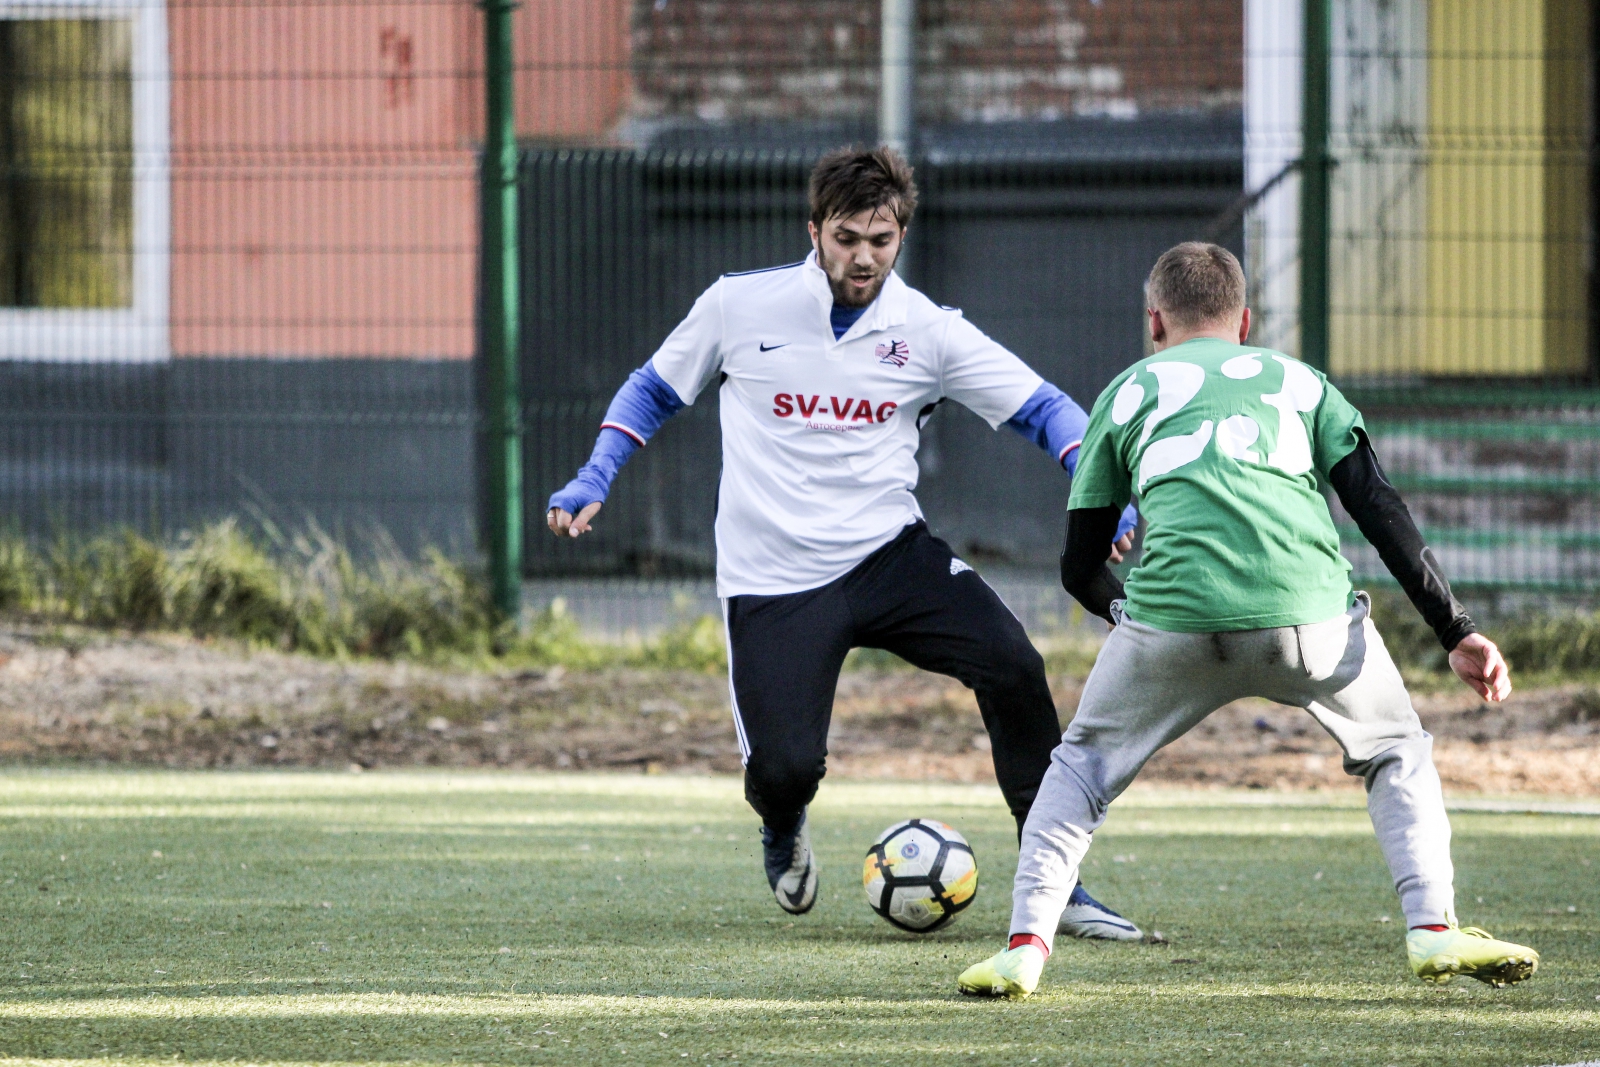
(1241, 591)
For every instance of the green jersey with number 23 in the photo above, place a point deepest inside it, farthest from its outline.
(1223, 446)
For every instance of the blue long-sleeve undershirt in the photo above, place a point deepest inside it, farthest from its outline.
(1049, 418)
(644, 402)
(842, 318)
(1053, 420)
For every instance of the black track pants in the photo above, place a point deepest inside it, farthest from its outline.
(911, 597)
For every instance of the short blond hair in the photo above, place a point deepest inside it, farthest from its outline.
(1195, 284)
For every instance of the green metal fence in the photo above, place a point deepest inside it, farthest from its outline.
(1508, 495)
(240, 254)
(1445, 278)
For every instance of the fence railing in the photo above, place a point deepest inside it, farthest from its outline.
(1508, 495)
(1042, 240)
(238, 247)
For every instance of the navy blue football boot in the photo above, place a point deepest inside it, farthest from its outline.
(791, 869)
(1087, 917)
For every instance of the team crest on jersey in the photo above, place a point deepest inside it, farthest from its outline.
(895, 353)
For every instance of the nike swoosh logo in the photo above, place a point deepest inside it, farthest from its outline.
(797, 897)
(769, 348)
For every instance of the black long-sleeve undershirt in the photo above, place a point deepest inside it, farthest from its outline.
(1084, 574)
(1366, 494)
(1385, 521)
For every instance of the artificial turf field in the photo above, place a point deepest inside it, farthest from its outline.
(497, 918)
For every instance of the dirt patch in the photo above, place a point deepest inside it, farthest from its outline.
(175, 702)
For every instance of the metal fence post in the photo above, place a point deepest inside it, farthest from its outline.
(897, 91)
(896, 99)
(1314, 233)
(500, 277)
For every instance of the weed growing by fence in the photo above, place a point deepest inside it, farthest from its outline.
(1543, 643)
(308, 593)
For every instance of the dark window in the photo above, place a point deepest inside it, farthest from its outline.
(66, 163)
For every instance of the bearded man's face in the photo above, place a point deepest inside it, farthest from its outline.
(857, 252)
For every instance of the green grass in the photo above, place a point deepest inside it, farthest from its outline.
(436, 917)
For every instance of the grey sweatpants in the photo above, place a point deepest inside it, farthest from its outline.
(1149, 687)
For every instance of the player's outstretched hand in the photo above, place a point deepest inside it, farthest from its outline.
(1120, 547)
(1478, 662)
(564, 525)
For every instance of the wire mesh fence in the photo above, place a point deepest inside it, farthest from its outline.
(1505, 489)
(237, 254)
(625, 610)
(1461, 276)
(239, 246)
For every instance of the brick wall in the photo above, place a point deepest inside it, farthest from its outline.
(979, 60)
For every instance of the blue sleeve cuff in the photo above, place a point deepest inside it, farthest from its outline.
(644, 402)
(1129, 522)
(611, 450)
(1052, 420)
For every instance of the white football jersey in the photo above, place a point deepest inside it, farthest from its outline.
(819, 437)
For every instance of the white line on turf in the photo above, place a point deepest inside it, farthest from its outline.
(1526, 807)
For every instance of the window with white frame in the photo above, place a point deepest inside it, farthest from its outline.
(84, 192)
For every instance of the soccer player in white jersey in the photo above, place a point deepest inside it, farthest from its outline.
(1241, 591)
(827, 370)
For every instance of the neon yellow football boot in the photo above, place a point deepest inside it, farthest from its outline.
(1439, 955)
(1013, 973)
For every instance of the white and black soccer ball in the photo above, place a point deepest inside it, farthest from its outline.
(919, 875)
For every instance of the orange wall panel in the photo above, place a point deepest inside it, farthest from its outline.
(572, 81)
(324, 161)
(323, 179)
(299, 262)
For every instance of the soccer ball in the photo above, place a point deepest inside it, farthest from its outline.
(919, 875)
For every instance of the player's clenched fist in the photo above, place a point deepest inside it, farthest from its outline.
(1478, 662)
(578, 501)
(562, 523)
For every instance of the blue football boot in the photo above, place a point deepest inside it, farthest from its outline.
(1087, 917)
(791, 868)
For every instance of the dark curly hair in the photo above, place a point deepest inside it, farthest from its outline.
(850, 180)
